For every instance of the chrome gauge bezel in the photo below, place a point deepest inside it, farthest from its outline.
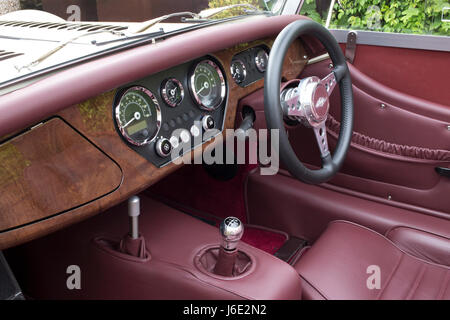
(122, 130)
(244, 69)
(223, 85)
(258, 64)
(164, 92)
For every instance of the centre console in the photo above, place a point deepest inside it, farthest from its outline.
(176, 258)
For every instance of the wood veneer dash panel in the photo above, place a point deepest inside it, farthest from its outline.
(49, 170)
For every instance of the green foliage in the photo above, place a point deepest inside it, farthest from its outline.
(31, 4)
(234, 12)
(404, 16)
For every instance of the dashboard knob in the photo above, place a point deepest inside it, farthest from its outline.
(195, 131)
(208, 123)
(175, 142)
(185, 136)
(163, 147)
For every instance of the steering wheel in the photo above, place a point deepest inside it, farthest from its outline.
(308, 103)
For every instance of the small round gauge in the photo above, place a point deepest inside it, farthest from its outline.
(172, 92)
(207, 85)
(138, 116)
(238, 71)
(261, 60)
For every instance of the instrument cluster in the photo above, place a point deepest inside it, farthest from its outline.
(250, 65)
(179, 108)
(157, 114)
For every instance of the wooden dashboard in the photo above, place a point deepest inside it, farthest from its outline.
(73, 164)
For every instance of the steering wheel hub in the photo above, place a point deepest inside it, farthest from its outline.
(314, 100)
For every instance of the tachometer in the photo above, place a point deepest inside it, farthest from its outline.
(138, 116)
(207, 85)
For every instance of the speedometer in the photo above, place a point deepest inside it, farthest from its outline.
(207, 85)
(138, 116)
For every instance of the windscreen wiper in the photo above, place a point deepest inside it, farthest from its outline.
(143, 36)
(202, 16)
(247, 13)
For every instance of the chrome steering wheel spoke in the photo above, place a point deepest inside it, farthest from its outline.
(293, 107)
(322, 140)
(329, 82)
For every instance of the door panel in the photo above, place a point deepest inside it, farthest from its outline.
(420, 73)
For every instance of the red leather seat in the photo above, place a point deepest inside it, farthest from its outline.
(336, 267)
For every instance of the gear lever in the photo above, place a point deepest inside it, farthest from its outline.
(133, 243)
(231, 230)
(134, 210)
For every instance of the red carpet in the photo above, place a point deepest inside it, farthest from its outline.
(265, 240)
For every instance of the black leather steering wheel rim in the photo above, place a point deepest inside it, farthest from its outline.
(273, 109)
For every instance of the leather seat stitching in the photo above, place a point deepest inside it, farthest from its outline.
(315, 288)
(444, 286)
(388, 280)
(416, 282)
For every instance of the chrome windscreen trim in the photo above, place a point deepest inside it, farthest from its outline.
(397, 40)
(291, 7)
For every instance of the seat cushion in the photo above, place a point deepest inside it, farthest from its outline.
(342, 260)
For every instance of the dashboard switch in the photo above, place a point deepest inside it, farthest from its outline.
(163, 147)
(238, 71)
(175, 142)
(195, 131)
(185, 136)
(208, 123)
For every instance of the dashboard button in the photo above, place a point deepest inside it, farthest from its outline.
(185, 136)
(195, 131)
(175, 142)
(208, 123)
(163, 147)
